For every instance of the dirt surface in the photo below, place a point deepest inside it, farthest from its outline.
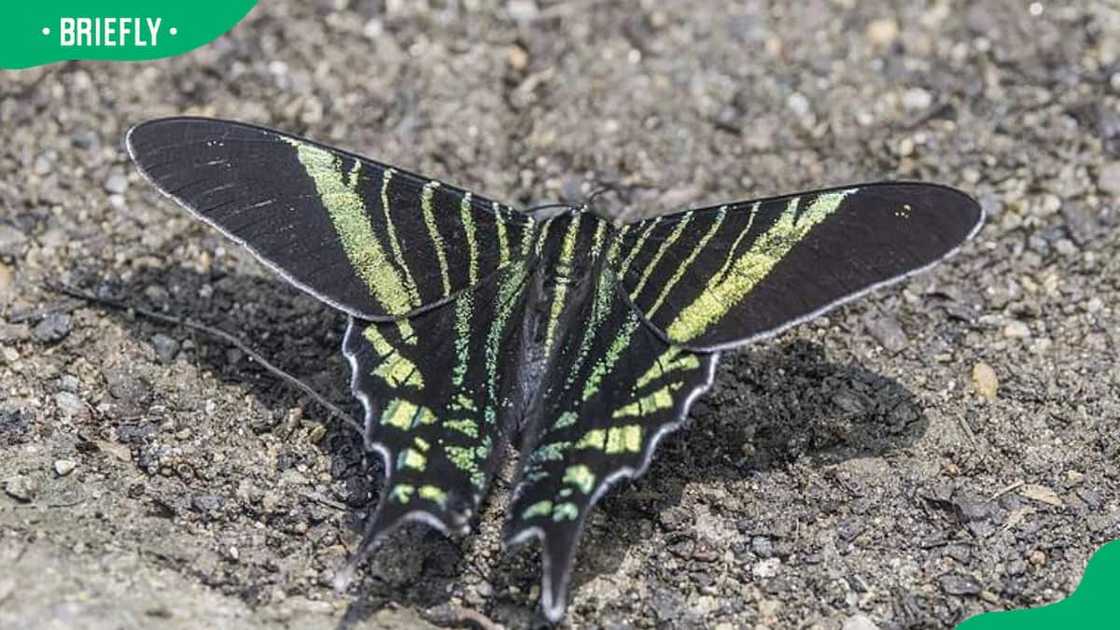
(944, 447)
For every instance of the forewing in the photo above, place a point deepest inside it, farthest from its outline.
(616, 388)
(367, 238)
(436, 401)
(717, 277)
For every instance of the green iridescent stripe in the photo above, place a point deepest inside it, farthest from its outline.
(638, 246)
(426, 196)
(394, 243)
(749, 269)
(665, 246)
(347, 211)
(686, 265)
(466, 215)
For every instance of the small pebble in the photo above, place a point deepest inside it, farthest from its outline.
(1109, 179)
(116, 184)
(859, 622)
(767, 568)
(166, 348)
(1065, 247)
(887, 331)
(957, 584)
(68, 403)
(207, 502)
(63, 467)
(916, 100)
(9, 355)
(882, 32)
(985, 381)
(52, 328)
(1016, 330)
(69, 383)
(21, 488)
(798, 104)
(1080, 222)
(12, 242)
(7, 282)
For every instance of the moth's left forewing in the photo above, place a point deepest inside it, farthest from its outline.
(619, 389)
(718, 277)
(367, 238)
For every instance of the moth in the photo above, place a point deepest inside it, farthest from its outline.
(474, 327)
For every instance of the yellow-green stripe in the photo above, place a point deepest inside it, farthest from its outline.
(752, 267)
(433, 231)
(347, 212)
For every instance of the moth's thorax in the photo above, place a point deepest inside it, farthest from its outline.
(567, 246)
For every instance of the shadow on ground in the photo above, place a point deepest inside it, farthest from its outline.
(771, 406)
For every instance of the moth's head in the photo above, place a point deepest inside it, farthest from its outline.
(553, 210)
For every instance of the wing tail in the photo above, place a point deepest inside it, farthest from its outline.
(436, 408)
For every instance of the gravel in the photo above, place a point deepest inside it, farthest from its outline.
(886, 484)
(52, 328)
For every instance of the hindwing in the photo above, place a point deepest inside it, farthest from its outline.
(615, 389)
(435, 388)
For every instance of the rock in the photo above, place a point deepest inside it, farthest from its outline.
(882, 32)
(166, 348)
(1042, 494)
(798, 104)
(69, 383)
(886, 330)
(522, 10)
(762, 547)
(973, 510)
(42, 165)
(21, 488)
(69, 404)
(52, 328)
(959, 584)
(1065, 247)
(859, 622)
(125, 387)
(1080, 222)
(207, 502)
(13, 243)
(916, 100)
(676, 518)
(84, 139)
(985, 381)
(768, 568)
(8, 355)
(14, 332)
(1108, 180)
(7, 284)
(1016, 330)
(63, 467)
(116, 184)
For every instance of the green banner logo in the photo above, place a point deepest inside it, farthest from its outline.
(35, 33)
(1095, 603)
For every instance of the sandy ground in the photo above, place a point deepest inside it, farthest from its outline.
(847, 474)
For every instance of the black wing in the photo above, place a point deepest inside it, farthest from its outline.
(435, 392)
(369, 239)
(717, 277)
(615, 390)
